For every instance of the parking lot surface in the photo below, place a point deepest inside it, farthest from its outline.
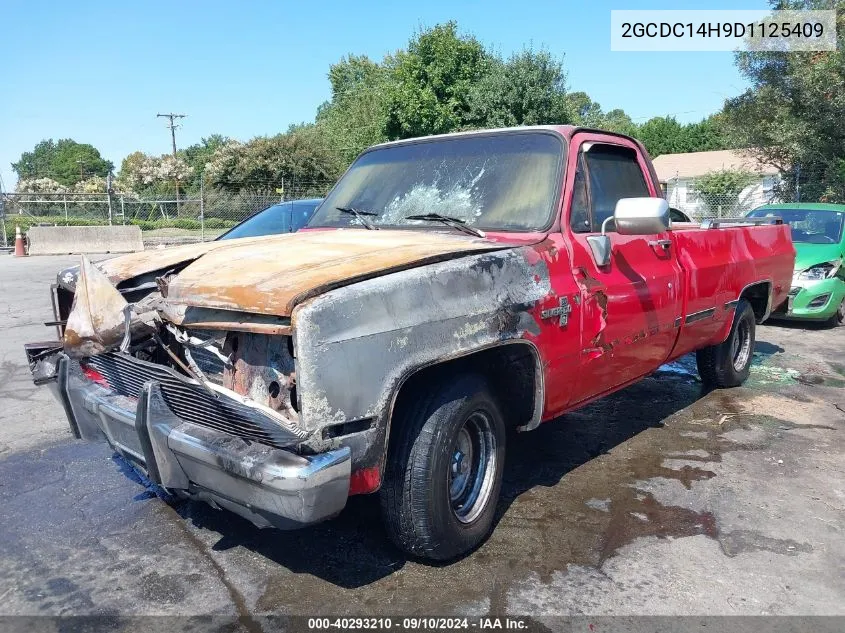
(662, 499)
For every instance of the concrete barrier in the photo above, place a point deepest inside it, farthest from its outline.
(62, 240)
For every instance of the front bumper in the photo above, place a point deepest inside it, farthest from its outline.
(807, 300)
(268, 486)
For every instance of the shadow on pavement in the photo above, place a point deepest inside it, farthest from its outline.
(353, 550)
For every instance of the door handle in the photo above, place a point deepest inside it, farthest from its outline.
(664, 244)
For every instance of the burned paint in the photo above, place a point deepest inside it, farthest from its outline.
(261, 369)
(349, 365)
(256, 277)
(96, 320)
(132, 265)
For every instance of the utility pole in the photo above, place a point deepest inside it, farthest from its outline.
(172, 125)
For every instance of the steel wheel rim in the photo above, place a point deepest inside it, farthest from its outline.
(472, 469)
(741, 346)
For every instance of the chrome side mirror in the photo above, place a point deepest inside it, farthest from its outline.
(641, 216)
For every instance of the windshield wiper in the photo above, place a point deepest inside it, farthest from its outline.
(457, 223)
(360, 215)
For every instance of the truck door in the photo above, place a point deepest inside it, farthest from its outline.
(629, 307)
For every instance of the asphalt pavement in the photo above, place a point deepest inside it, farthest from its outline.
(663, 499)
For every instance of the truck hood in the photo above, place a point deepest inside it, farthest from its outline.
(808, 255)
(271, 275)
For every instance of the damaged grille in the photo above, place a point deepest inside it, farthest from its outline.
(190, 402)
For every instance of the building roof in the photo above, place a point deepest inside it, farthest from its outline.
(695, 164)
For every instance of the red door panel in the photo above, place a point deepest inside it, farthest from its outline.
(630, 308)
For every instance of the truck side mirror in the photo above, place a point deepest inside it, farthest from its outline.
(632, 216)
(641, 216)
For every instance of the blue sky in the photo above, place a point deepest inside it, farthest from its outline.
(98, 72)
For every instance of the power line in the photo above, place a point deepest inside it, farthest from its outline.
(172, 125)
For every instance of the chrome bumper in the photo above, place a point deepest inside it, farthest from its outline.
(268, 486)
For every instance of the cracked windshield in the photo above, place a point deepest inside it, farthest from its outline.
(503, 182)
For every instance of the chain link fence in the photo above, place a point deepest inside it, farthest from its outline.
(688, 196)
(203, 215)
(195, 216)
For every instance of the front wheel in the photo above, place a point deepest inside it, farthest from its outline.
(729, 363)
(838, 316)
(444, 469)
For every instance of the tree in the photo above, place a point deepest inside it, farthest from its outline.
(153, 175)
(528, 89)
(707, 135)
(431, 83)
(197, 155)
(300, 161)
(618, 121)
(792, 115)
(65, 161)
(585, 111)
(356, 116)
(721, 189)
(662, 135)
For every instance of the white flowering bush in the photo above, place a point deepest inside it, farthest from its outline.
(39, 185)
(140, 170)
(224, 161)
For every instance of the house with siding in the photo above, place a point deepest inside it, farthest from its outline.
(678, 174)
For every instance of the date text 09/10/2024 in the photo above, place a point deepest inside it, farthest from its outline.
(417, 623)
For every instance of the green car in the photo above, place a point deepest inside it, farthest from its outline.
(818, 284)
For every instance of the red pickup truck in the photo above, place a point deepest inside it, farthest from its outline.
(448, 290)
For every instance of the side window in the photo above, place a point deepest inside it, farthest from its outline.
(613, 174)
(579, 215)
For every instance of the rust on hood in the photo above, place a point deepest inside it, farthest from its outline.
(272, 275)
(124, 267)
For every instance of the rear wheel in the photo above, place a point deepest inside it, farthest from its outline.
(729, 363)
(444, 469)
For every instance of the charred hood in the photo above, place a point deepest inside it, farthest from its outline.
(271, 275)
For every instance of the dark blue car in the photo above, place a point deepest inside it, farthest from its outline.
(285, 217)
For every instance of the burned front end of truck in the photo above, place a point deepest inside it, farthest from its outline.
(204, 411)
(278, 412)
(266, 375)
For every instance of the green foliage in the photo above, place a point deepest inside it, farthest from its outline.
(431, 83)
(295, 160)
(190, 224)
(618, 121)
(664, 135)
(792, 115)
(527, 89)
(65, 161)
(442, 82)
(356, 117)
(196, 156)
(585, 111)
(722, 187)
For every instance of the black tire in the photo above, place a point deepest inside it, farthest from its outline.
(728, 364)
(423, 513)
(838, 316)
